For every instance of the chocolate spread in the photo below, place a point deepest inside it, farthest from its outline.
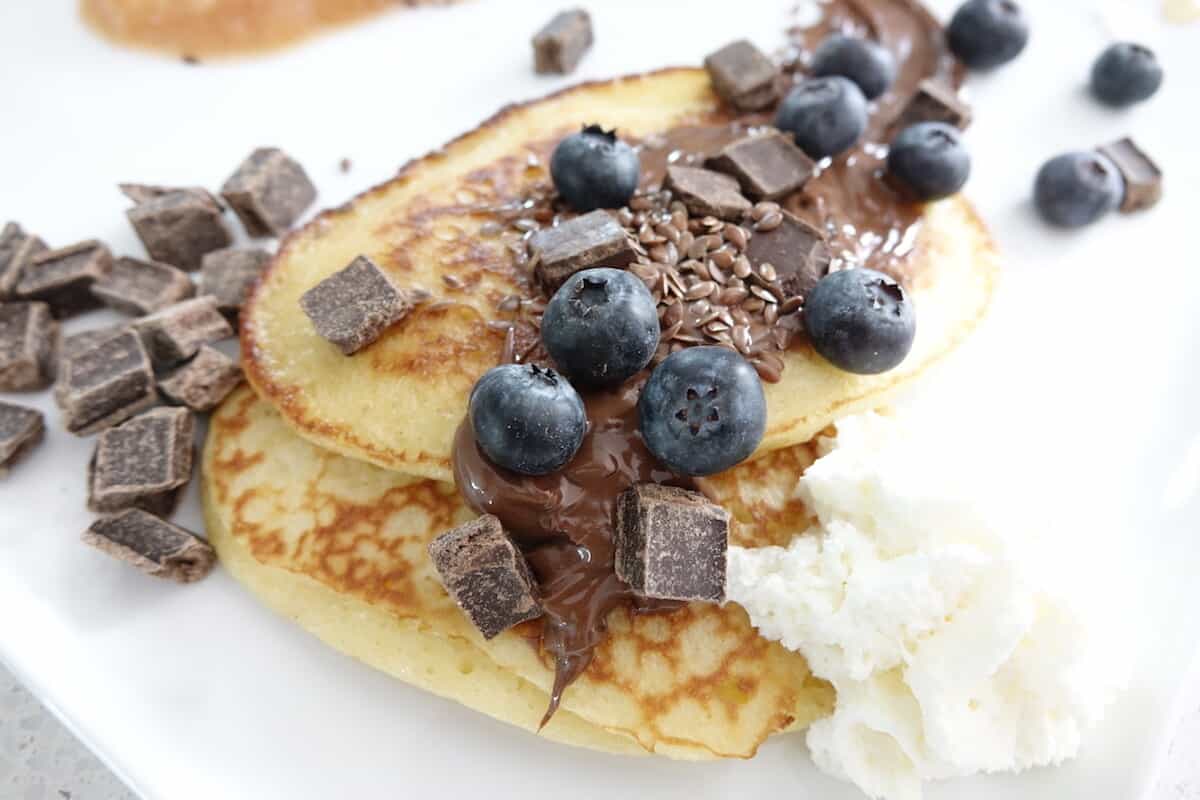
(564, 521)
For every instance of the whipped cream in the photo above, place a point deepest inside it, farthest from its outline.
(951, 650)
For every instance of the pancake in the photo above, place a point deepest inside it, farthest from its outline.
(339, 546)
(398, 402)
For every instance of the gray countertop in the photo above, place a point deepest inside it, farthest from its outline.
(41, 760)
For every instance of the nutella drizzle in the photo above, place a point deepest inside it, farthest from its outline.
(564, 521)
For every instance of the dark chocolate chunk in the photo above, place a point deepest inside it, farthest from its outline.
(177, 226)
(354, 306)
(268, 192)
(558, 47)
(229, 275)
(767, 167)
(1143, 178)
(935, 102)
(76, 343)
(176, 332)
(202, 383)
(671, 543)
(21, 429)
(154, 546)
(28, 335)
(139, 287)
(798, 252)
(106, 384)
(591, 240)
(743, 76)
(706, 193)
(63, 278)
(143, 462)
(17, 249)
(486, 574)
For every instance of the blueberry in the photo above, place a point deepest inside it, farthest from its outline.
(1076, 189)
(527, 419)
(868, 64)
(1125, 74)
(929, 159)
(593, 169)
(860, 320)
(987, 33)
(826, 115)
(601, 327)
(702, 411)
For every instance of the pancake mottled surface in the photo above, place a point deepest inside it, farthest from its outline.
(339, 546)
(398, 402)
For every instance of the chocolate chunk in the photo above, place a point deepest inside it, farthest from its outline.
(139, 287)
(798, 252)
(743, 76)
(671, 543)
(707, 193)
(176, 332)
(767, 167)
(105, 385)
(558, 47)
(353, 307)
(202, 383)
(177, 226)
(268, 192)
(143, 463)
(21, 429)
(229, 275)
(1143, 178)
(152, 545)
(63, 278)
(591, 240)
(28, 335)
(486, 574)
(935, 102)
(17, 249)
(76, 343)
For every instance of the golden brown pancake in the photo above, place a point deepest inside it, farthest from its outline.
(398, 402)
(339, 546)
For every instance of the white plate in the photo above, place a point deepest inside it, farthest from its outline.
(198, 692)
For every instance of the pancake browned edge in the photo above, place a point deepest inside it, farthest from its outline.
(339, 546)
(398, 403)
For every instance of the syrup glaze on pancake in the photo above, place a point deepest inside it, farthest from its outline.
(564, 521)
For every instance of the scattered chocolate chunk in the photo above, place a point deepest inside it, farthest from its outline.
(558, 47)
(202, 383)
(28, 335)
(143, 463)
(934, 101)
(17, 249)
(139, 287)
(796, 250)
(63, 278)
(105, 384)
(486, 574)
(345, 165)
(767, 167)
(353, 307)
(1143, 178)
(76, 343)
(177, 226)
(152, 545)
(269, 192)
(176, 332)
(671, 543)
(229, 275)
(21, 429)
(591, 240)
(743, 76)
(707, 193)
